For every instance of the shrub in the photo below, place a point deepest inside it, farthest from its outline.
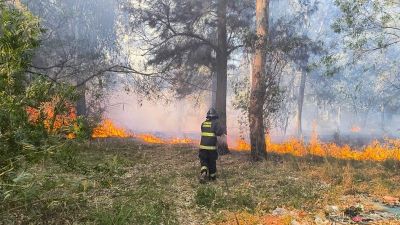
(32, 108)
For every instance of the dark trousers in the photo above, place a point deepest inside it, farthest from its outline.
(208, 158)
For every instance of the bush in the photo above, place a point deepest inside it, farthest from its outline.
(32, 108)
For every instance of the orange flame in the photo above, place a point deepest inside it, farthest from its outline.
(150, 139)
(241, 145)
(52, 122)
(375, 151)
(108, 129)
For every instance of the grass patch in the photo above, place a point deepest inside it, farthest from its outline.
(59, 188)
(136, 212)
(145, 205)
(213, 198)
(243, 201)
(127, 183)
(210, 197)
(360, 177)
(295, 193)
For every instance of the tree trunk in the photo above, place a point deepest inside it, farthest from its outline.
(257, 92)
(221, 70)
(338, 119)
(300, 101)
(383, 117)
(81, 108)
(214, 90)
(81, 103)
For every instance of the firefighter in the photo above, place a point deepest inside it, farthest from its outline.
(208, 154)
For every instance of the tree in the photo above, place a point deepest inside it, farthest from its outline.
(285, 52)
(221, 62)
(186, 42)
(368, 25)
(370, 30)
(303, 63)
(257, 92)
(80, 37)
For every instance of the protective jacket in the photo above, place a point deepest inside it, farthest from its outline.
(210, 129)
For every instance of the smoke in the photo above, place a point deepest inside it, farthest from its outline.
(179, 118)
(354, 98)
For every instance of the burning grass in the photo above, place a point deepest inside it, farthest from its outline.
(149, 138)
(375, 151)
(107, 129)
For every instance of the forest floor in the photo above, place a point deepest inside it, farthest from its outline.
(126, 182)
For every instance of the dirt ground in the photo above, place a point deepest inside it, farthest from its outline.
(125, 182)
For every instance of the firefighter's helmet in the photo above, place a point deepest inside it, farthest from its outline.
(212, 114)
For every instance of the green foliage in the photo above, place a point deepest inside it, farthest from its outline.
(368, 25)
(274, 97)
(22, 136)
(329, 62)
(19, 37)
(21, 94)
(68, 159)
(83, 128)
(20, 33)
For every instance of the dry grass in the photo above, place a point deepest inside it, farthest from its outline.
(121, 182)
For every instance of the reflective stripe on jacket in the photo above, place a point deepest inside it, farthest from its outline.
(210, 129)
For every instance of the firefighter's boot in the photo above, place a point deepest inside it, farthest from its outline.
(213, 177)
(203, 175)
